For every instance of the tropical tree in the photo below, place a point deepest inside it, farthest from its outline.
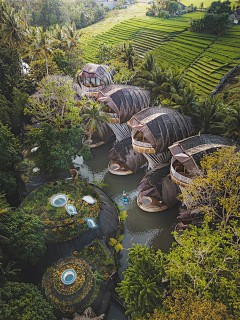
(26, 238)
(72, 37)
(56, 103)
(186, 100)
(209, 111)
(207, 264)
(41, 44)
(126, 53)
(9, 149)
(216, 189)
(12, 29)
(24, 301)
(182, 305)
(158, 84)
(93, 117)
(141, 287)
(56, 148)
(230, 124)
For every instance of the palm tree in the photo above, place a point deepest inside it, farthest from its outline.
(40, 44)
(94, 116)
(127, 53)
(58, 36)
(13, 29)
(209, 111)
(187, 100)
(72, 37)
(230, 124)
(158, 84)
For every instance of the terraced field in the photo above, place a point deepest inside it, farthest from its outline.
(184, 49)
(147, 33)
(206, 58)
(216, 61)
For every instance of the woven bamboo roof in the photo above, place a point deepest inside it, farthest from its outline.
(99, 71)
(124, 153)
(124, 100)
(161, 126)
(157, 183)
(190, 151)
(106, 132)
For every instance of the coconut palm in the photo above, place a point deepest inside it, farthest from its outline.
(127, 53)
(209, 111)
(158, 84)
(230, 122)
(72, 37)
(12, 29)
(58, 36)
(40, 44)
(94, 117)
(187, 100)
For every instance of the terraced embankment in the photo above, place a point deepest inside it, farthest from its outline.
(205, 57)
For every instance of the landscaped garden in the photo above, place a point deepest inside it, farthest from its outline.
(59, 225)
(73, 284)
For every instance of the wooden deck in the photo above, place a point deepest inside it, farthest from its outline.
(150, 204)
(118, 169)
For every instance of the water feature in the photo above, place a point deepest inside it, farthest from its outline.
(152, 229)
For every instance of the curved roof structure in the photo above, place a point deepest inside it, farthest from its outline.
(124, 101)
(190, 151)
(155, 129)
(157, 183)
(123, 152)
(103, 73)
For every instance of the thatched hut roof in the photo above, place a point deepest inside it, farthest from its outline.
(157, 183)
(190, 151)
(106, 133)
(124, 153)
(124, 100)
(100, 71)
(161, 127)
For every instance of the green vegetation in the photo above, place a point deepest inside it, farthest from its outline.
(58, 224)
(93, 267)
(205, 265)
(23, 301)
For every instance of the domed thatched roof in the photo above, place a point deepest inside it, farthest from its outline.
(100, 71)
(157, 183)
(124, 153)
(124, 100)
(190, 151)
(160, 127)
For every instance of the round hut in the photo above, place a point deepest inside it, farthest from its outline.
(122, 102)
(124, 160)
(157, 192)
(155, 129)
(188, 153)
(94, 77)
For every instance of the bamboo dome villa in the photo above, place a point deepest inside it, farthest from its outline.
(98, 138)
(124, 160)
(122, 102)
(155, 129)
(94, 77)
(188, 153)
(157, 192)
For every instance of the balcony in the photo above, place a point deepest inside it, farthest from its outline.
(141, 144)
(179, 173)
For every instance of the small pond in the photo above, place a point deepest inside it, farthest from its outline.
(152, 229)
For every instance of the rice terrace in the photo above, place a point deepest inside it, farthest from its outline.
(206, 58)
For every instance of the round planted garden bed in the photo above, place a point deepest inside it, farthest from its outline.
(67, 298)
(61, 208)
(75, 283)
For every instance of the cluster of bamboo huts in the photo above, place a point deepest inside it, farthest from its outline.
(157, 137)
